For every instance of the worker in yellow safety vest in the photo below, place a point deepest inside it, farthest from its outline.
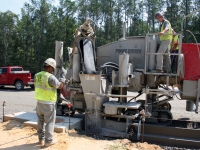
(165, 40)
(174, 50)
(46, 85)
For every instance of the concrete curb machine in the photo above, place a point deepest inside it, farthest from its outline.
(107, 84)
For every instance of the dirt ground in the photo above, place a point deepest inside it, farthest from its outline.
(13, 136)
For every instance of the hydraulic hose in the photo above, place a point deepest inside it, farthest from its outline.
(110, 63)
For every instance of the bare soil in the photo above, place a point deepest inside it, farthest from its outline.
(13, 136)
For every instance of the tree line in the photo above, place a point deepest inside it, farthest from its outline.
(28, 38)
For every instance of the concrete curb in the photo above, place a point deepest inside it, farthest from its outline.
(30, 119)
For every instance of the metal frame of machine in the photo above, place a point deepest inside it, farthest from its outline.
(96, 80)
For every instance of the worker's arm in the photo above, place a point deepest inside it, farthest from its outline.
(61, 85)
(166, 28)
(53, 82)
(62, 82)
(164, 31)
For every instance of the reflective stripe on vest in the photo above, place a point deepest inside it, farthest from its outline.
(166, 37)
(43, 91)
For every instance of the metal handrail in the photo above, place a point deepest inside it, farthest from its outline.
(147, 53)
(161, 54)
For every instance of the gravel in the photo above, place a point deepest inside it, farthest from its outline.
(176, 148)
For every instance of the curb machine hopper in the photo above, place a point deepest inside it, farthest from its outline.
(101, 85)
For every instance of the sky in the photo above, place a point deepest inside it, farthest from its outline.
(15, 5)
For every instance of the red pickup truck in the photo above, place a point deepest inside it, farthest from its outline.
(15, 75)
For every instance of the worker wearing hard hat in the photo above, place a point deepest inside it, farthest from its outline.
(165, 40)
(174, 50)
(46, 95)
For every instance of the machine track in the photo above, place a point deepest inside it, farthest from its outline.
(180, 133)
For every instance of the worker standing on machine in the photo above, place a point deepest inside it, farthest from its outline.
(46, 85)
(174, 50)
(165, 40)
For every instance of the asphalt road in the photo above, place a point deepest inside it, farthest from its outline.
(18, 101)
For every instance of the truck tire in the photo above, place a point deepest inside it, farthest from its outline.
(19, 85)
(32, 86)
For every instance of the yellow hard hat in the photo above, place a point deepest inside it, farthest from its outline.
(51, 62)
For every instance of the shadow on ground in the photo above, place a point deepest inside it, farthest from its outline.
(33, 146)
(12, 89)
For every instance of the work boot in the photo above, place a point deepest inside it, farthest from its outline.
(47, 144)
(41, 143)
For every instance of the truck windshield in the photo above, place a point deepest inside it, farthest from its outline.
(16, 69)
(3, 70)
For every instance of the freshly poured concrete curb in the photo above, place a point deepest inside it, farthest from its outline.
(30, 119)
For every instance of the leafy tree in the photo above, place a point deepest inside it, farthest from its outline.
(7, 31)
(29, 38)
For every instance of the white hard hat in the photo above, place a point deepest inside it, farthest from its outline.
(51, 62)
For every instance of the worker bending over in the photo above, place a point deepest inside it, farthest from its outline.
(46, 85)
(165, 40)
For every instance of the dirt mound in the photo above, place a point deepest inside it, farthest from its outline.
(126, 144)
(12, 124)
(143, 146)
(18, 137)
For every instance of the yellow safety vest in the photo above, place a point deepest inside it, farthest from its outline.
(43, 91)
(166, 37)
(175, 40)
